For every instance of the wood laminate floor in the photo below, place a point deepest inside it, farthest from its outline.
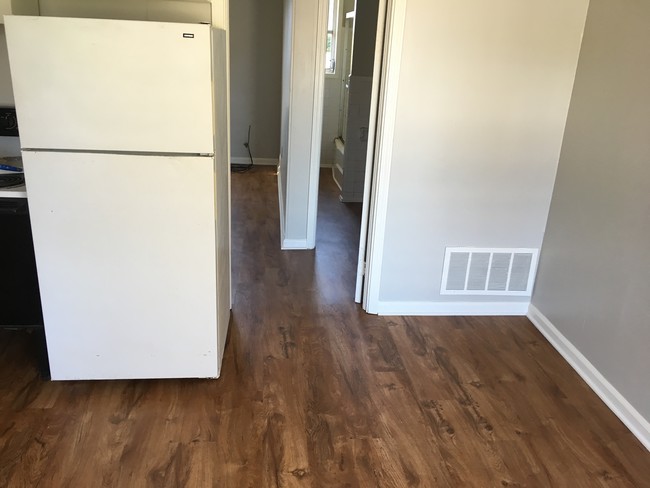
(315, 393)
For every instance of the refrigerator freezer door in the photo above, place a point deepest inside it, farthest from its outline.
(125, 251)
(112, 85)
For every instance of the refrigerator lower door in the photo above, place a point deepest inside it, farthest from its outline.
(125, 251)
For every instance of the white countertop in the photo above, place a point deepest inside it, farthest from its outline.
(16, 191)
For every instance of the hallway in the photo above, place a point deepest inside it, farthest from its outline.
(314, 392)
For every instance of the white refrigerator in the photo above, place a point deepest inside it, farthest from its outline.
(123, 133)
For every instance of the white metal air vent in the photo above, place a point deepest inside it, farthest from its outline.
(491, 271)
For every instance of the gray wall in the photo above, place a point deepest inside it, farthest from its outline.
(359, 101)
(483, 95)
(365, 34)
(594, 277)
(287, 38)
(6, 92)
(162, 11)
(9, 146)
(256, 76)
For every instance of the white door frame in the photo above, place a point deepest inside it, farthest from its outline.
(379, 160)
(220, 11)
(317, 123)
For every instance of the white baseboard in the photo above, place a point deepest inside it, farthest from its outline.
(266, 162)
(294, 245)
(334, 170)
(451, 308)
(280, 205)
(257, 161)
(340, 145)
(617, 403)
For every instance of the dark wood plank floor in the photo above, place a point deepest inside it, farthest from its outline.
(316, 393)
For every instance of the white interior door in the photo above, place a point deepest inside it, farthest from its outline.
(112, 85)
(370, 155)
(125, 251)
(392, 15)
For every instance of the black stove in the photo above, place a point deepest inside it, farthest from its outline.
(8, 122)
(20, 302)
(10, 180)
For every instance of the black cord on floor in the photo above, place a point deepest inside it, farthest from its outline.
(243, 168)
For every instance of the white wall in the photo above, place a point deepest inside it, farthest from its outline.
(256, 72)
(594, 279)
(303, 51)
(331, 112)
(482, 100)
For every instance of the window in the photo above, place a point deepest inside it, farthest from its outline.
(330, 50)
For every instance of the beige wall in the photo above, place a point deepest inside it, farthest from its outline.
(594, 277)
(483, 95)
(256, 76)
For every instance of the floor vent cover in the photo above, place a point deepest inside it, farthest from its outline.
(480, 271)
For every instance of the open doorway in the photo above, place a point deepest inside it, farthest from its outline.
(307, 33)
(349, 71)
